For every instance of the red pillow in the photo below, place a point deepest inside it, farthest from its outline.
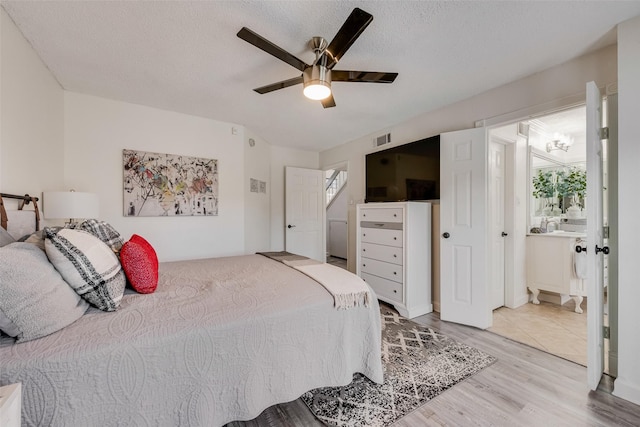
(140, 264)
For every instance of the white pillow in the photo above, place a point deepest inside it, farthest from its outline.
(88, 265)
(34, 300)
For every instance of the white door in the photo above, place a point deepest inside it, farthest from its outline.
(305, 212)
(595, 280)
(463, 228)
(497, 232)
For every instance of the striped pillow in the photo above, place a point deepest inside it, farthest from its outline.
(103, 231)
(88, 265)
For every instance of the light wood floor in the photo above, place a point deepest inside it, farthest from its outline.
(525, 387)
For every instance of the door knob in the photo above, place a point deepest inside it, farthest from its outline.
(446, 235)
(604, 250)
(504, 234)
(290, 226)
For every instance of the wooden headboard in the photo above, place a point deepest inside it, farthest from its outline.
(24, 200)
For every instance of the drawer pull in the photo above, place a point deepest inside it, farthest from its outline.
(394, 215)
(364, 265)
(394, 273)
(395, 238)
(364, 250)
(395, 256)
(395, 291)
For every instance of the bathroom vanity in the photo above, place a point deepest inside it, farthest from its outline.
(550, 265)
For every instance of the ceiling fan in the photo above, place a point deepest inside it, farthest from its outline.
(317, 77)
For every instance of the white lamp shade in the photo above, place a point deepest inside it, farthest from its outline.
(70, 204)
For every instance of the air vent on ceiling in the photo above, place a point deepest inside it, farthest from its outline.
(382, 139)
(523, 130)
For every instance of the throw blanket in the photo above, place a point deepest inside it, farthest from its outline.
(348, 290)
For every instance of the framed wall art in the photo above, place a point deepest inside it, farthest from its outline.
(158, 184)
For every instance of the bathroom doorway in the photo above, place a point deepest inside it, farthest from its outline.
(551, 148)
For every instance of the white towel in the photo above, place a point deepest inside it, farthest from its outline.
(580, 263)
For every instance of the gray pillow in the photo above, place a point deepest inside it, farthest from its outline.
(34, 298)
(88, 265)
(5, 237)
(36, 238)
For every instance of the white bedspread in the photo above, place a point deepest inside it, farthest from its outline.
(220, 340)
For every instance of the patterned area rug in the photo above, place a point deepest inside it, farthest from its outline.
(419, 363)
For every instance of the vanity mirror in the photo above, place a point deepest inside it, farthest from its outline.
(557, 189)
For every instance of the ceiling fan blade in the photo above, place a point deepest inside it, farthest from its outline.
(280, 85)
(347, 34)
(264, 44)
(328, 102)
(362, 76)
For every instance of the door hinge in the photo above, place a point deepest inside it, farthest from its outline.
(604, 133)
(605, 232)
(606, 332)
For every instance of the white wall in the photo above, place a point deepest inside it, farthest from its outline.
(282, 157)
(338, 207)
(96, 132)
(31, 117)
(337, 210)
(257, 221)
(627, 385)
(561, 82)
(55, 140)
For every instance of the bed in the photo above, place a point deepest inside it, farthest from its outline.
(219, 340)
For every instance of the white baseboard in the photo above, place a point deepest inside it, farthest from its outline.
(521, 300)
(626, 390)
(414, 311)
(553, 298)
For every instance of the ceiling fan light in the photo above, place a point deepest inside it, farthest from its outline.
(317, 91)
(316, 82)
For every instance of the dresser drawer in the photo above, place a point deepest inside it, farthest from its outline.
(381, 215)
(381, 269)
(392, 254)
(381, 237)
(384, 289)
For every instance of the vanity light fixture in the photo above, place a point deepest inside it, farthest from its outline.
(559, 142)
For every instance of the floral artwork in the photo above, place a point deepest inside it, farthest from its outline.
(169, 185)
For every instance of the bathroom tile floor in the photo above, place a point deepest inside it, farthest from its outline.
(550, 327)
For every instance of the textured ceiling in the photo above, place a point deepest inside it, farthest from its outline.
(185, 56)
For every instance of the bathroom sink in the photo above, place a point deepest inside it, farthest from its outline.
(568, 233)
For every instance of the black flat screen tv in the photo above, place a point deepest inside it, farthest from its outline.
(406, 172)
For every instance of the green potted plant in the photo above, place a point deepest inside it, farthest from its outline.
(573, 183)
(544, 187)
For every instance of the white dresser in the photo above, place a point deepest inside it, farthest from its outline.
(394, 254)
